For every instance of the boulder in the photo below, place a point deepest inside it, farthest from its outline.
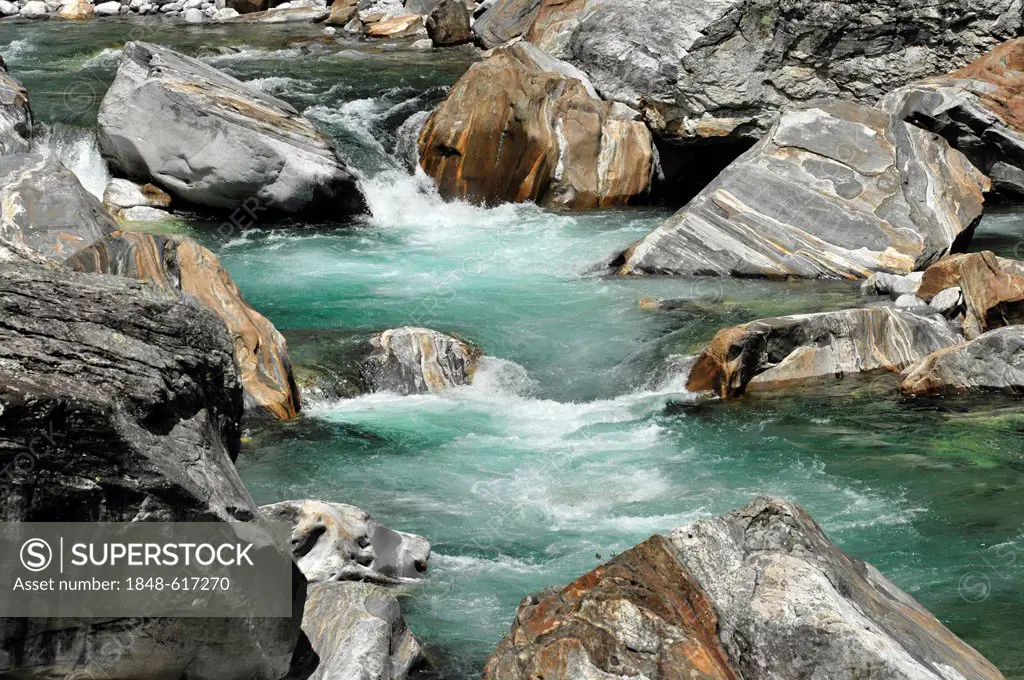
(401, 26)
(520, 126)
(121, 193)
(77, 9)
(992, 287)
(209, 140)
(837, 190)
(181, 266)
(15, 116)
(248, 6)
(8, 9)
(194, 16)
(993, 362)
(357, 631)
(342, 12)
(34, 9)
(291, 15)
(224, 14)
(338, 542)
(775, 353)
(411, 360)
(891, 285)
(641, 615)
(44, 206)
(703, 72)
(121, 402)
(448, 23)
(758, 593)
(108, 9)
(977, 110)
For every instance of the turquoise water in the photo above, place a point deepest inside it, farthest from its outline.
(575, 440)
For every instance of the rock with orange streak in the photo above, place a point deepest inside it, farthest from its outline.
(180, 265)
(992, 287)
(411, 360)
(522, 126)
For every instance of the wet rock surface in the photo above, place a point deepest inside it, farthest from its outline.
(412, 360)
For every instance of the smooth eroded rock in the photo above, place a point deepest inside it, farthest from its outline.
(15, 115)
(210, 140)
(357, 630)
(837, 190)
(401, 26)
(776, 353)
(978, 110)
(993, 362)
(44, 206)
(339, 542)
(448, 23)
(992, 287)
(181, 266)
(121, 193)
(412, 360)
(520, 126)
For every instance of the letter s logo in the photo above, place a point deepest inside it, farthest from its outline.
(36, 554)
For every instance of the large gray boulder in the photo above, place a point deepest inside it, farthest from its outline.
(759, 593)
(977, 110)
(836, 190)
(15, 115)
(357, 631)
(777, 353)
(121, 402)
(720, 70)
(411, 360)
(45, 207)
(339, 542)
(992, 362)
(209, 140)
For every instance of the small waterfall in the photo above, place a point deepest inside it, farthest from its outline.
(79, 151)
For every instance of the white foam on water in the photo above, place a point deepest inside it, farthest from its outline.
(79, 151)
(108, 56)
(16, 49)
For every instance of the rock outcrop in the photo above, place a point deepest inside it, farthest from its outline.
(993, 362)
(44, 206)
(357, 631)
(837, 190)
(772, 354)
(15, 115)
(211, 141)
(181, 266)
(121, 402)
(521, 126)
(448, 23)
(758, 593)
(339, 542)
(703, 71)
(992, 289)
(412, 360)
(978, 111)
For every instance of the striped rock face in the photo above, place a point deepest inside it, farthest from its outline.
(180, 265)
(45, 207)
(837, 190)
(993, 289)
(993, 362)
(773, 354)
(412, 360)
(522, 126)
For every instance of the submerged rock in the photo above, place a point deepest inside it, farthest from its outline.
(837, 190)
(44, 206)
(992, 288)
(339, 542)
(15, 115)
(225, 143)
(357, 631)
(120, 402)
(993, 362)
(180, 265)
(711, 71)
(758, 593)
(448, 23)
(977, 110)
(772, 354)
(412, 360)
(520, 126)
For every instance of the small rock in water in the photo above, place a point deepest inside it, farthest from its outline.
(411, 360)
(194, 16)
(330, 31)
(108, 9)
(225, 14)
(37, 10)
(424, 44)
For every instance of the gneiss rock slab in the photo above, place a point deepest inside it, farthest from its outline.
(837, 190)
(210, 140)
(993, 289)
(180, 265)
(993, 362)
(339, 542)
(121, 402)
(978, 110)
(773, 354)
(521, 126)
(45, 207)
(704, 70)
(411, 360)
